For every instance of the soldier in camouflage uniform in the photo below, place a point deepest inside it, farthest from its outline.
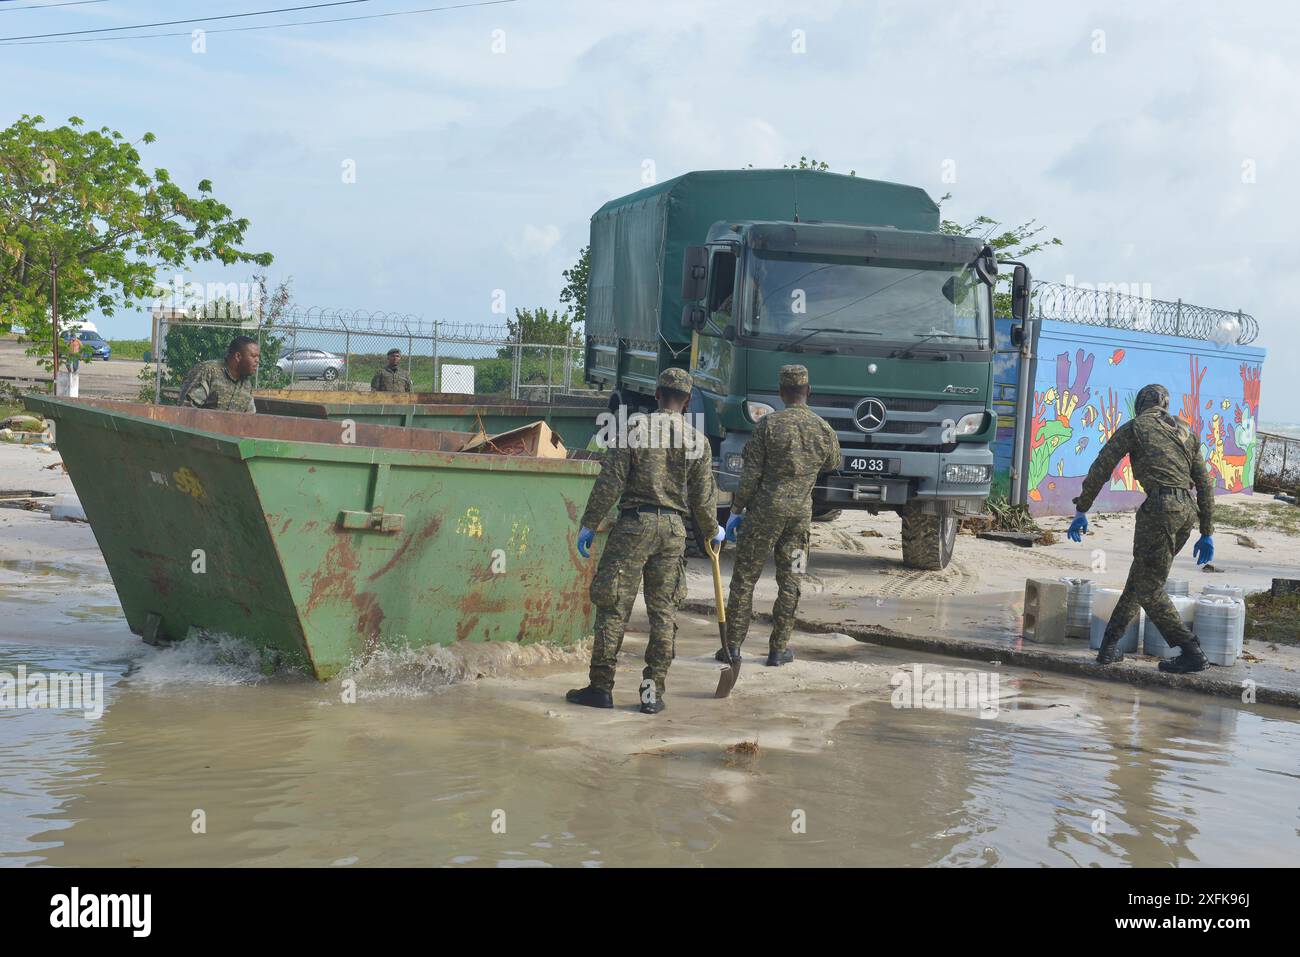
(224, 384)
(1166, 458)
(787, 452)
(391, 378)
(656, 474)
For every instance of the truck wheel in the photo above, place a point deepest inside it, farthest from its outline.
(927, 539)
(694, 543)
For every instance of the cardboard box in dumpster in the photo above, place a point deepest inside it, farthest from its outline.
(533, 441)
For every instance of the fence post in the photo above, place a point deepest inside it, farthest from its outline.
(293, 362)
(1178, 318)
(347, 357)
(514, 367)
(550, 374)
(436, 324)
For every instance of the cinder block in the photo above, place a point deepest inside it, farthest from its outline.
(1045, 601)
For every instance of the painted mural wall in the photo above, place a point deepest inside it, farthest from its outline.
(1085, 381)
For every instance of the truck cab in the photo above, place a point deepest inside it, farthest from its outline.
(892, 317)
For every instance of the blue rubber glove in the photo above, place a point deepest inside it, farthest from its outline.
(719, 535)
(585, 535)
(733, 524)
(1203, 550)
(1078, 526)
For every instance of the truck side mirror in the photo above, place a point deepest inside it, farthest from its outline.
(695, 273)
(692, 317)
(1021, 282)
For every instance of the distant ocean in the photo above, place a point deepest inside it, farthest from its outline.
(1281, 428)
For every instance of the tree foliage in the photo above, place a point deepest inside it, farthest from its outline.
(574, 293)
(82, 200)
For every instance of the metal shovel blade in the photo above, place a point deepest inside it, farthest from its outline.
(727, 677)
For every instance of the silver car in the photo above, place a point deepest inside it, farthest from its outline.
(312, 364)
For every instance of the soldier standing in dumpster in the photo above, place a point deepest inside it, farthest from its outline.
(224, 384)
(787, 452)
(657, 474)
(1166, 458)
(391, 378)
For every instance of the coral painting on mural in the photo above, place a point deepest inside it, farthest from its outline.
(1079, 403)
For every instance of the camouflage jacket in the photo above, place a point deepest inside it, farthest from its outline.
(388, 380)
(209, 386)
(1163, 452)
(789, 449)
(677, 474)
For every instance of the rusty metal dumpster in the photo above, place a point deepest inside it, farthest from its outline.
(320, 541)
(574, 419)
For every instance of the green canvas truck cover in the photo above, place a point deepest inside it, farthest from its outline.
(637, 241)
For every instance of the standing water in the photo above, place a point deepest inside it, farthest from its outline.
(201, 759)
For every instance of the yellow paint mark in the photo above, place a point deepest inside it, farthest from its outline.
(189, 483)
(470, 524)
(518, 539)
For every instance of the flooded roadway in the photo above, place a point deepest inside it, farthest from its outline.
(427, 768)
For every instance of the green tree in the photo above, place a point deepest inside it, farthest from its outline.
(1019, 242)
(539, 327)
(574, 293)
(81, 200)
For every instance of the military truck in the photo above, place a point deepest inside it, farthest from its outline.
(736, 273)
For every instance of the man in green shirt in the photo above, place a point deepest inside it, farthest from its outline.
(1166, 459)
(391, 378)
(225, 385)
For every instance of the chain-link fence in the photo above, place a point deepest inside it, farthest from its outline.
(329, 350)
(1277, 468)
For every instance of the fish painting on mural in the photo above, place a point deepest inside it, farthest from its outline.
(1081, 444)
(1116, 357)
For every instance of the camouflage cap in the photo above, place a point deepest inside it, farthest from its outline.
(793, 375)
(674, 378)
(1151, 395)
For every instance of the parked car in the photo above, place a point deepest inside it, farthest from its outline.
(312, 364)
(92, 346)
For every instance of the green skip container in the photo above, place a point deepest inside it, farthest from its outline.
(573, 419)
(322, 542)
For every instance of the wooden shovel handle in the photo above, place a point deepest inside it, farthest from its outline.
(714, 551)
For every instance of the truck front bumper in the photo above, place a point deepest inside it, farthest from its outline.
(956, 482)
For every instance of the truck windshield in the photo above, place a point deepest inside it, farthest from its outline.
(787, 294)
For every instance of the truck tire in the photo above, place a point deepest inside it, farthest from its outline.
(829, 515)
(927, 539)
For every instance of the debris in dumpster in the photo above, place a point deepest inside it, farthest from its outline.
(531, 441)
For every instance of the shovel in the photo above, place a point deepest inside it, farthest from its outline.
(729, 675)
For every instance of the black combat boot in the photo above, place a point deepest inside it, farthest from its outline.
(722, 656)
(653, 707)
(591, 697)
(1190, 659)
(1109, 653)
(777, 658)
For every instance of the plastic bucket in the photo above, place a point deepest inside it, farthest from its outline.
(1103, 605)
(1153, 643)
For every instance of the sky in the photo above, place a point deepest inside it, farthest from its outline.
(1158, 141)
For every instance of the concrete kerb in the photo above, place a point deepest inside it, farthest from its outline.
(1063, 660)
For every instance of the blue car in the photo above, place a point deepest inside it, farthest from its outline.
(92, 346)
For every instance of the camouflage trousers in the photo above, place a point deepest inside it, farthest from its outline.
(645, 547)
(785, 539)
(1164, 523)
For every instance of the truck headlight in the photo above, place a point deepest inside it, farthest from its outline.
(969, 424)
(734, 462)
(756, 410)
(967, 474)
